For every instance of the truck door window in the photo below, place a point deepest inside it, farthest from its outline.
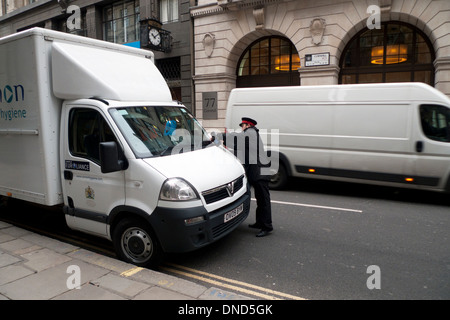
(435, 121)
(87, 128)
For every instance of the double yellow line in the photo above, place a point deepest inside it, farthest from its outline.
(235, 285)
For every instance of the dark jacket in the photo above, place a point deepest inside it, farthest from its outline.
(249, 149)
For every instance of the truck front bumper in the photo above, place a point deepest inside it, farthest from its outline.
(176, 232)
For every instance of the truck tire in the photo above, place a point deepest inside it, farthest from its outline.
(135, 242)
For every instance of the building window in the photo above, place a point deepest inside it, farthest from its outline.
(169, 11)
(121, 22)
(397, 52)
(171, 71)
(270, 61)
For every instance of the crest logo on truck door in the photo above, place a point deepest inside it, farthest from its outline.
(89, 193)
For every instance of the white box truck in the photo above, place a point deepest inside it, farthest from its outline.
(394, 134)
(91, 126)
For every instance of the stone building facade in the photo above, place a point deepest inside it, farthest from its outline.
(242, 43)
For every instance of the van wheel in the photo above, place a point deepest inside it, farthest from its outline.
(3, 201)
(278, 180)
(135, 242)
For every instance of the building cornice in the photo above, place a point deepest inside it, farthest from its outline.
(206, 10)
(24, 9)
(442, 63)
(221, 6)
(216, 77)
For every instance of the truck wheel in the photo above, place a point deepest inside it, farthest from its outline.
(135, 242)
(278, 181)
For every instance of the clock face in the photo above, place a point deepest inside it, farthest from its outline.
(154, 37)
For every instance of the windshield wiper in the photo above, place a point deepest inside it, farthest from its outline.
(193, 147)
(208, 142)
(165, 151)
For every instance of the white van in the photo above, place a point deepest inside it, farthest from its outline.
(91, 126)
(387, 134)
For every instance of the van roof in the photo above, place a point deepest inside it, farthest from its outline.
(408, 91)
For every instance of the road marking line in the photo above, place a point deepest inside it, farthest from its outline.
(235, 287)
(131, 271)
(313, 206)
(220, 284)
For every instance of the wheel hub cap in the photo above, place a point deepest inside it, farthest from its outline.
(137, 244)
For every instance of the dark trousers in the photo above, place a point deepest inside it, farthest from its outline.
(263, 207)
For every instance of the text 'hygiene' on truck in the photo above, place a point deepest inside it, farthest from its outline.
(91, 126)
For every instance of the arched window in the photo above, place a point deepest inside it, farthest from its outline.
(397, 52)
(270, 61)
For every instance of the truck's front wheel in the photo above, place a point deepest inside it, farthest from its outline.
(134, 242)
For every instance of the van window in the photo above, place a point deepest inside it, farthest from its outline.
(87, 128)
(435, 122)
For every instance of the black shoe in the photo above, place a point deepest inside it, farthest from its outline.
(263, 233)
(254, 226)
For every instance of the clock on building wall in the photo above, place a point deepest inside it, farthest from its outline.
(154, 37)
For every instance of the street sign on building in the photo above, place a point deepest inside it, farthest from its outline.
(318, 59)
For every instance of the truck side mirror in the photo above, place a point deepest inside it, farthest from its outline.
(109, 158)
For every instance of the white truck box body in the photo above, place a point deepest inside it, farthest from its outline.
(29, 123)
(358, 133)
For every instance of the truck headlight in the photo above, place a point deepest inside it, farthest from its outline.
(176, 189)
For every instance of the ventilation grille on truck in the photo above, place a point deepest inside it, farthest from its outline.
(222, 192)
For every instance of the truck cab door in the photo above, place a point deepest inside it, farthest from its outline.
(89, 194)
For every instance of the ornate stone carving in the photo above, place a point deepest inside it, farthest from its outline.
(258, 14)
(208, 43)
(317, 27)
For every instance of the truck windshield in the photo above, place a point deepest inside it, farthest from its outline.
(160, 130)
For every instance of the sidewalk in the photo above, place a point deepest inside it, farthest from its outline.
(34, 267)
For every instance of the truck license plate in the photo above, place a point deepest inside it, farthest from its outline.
(233, 213)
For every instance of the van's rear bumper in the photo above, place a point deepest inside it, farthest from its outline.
(176, 236)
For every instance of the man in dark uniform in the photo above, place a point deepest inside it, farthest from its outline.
(249, 149)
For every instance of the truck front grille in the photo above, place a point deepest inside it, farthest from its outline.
(222, 192)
